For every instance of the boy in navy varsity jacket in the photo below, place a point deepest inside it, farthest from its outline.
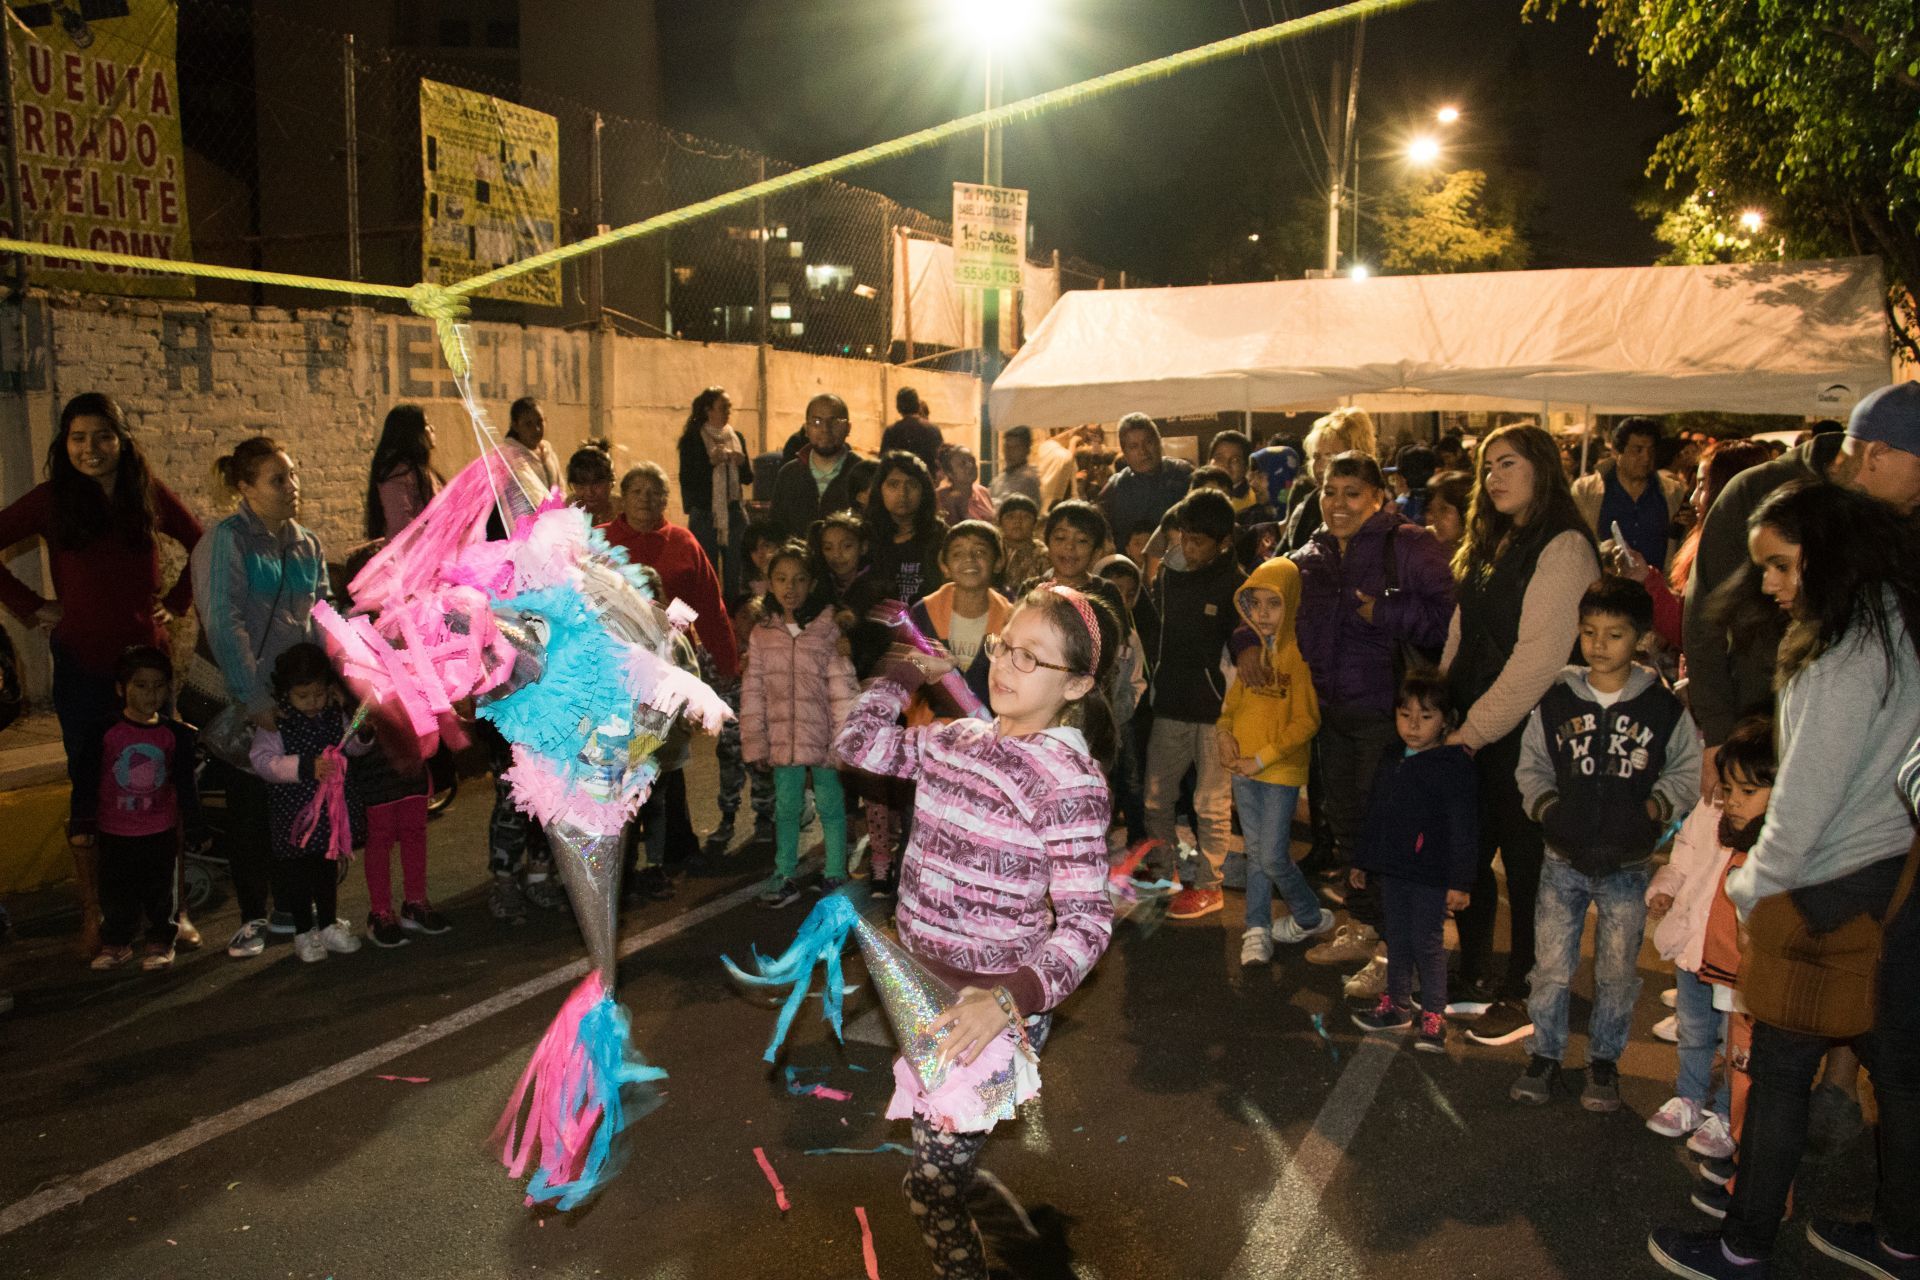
(1608, 757)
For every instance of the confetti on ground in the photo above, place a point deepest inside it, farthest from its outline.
(1320, 1026)
(1079, 1128)
(866, 1244)
(860, 1151)
(830, 1095)
(1121, 1138)
(773, 1179)
(1180, 1182)
(232, 1185)
(407, 1079)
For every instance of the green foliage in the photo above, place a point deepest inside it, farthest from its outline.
(1697, 233)
(1429, 226)
(1808, 108)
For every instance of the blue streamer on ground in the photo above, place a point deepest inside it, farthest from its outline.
(822, 937)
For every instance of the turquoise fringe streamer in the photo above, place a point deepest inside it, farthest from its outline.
(822, 937)
(605, 1039)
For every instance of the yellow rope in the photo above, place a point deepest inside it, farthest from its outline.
(445, 305)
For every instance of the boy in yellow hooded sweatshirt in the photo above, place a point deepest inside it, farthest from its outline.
(1264, 735)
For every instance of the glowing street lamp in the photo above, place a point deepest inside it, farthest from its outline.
(1448, 115)
(1751, 220)
(1358, 271)
(1424, 150)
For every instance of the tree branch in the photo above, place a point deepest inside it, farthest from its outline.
(1859, 39)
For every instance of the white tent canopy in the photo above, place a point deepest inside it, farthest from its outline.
(1792, 338)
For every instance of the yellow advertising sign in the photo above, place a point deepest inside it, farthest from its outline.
(492, 177)
(97, 134)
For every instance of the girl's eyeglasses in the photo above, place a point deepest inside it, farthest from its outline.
(1023, 659)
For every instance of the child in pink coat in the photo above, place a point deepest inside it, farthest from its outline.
(798, 688)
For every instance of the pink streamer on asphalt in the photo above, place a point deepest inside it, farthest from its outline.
(866, 1244)
(766, 1167)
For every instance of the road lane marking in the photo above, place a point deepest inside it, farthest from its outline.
(1281, 1221)
(73, 1190)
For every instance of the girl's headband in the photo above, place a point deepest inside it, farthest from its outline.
(1087, 619)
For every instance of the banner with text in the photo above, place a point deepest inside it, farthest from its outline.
(989, 236)
(492, 171)
(96, 124)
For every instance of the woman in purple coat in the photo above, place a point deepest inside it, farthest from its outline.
(1374, 585)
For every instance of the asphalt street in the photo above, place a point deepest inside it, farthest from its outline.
(268, 1118)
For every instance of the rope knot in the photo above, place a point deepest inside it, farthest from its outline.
(447, 309)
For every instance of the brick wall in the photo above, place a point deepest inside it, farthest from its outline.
(195, 379)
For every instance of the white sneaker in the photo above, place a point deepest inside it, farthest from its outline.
(1256, 946)
(1670, 997)
(1369, 983)
(1678, 1118)
(1668, 1029)
(249, 940)
(309, 946)
(1713, 1139)
(338, 938)
(1290, 931)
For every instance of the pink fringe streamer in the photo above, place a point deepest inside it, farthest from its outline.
(331, 800)
(556, 1075)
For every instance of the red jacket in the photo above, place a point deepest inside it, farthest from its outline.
(674, 553)
(797, 692)
(107, 589)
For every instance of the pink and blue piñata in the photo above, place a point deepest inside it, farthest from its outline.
(563, 649)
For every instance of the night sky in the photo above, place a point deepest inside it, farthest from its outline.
(1161, 180)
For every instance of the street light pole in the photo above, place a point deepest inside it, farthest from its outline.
(990, 173)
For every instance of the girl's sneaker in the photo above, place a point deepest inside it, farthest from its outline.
(1667, 1029)
(1385, 1016)
(1367, 983)
(249, 940)
(338, 938)
(280, 922)
(384, 928)
(1713, 1139)
(831, 884)
(1718, 1172)
(1289, 931)
(309, 947)
(111, 958)
(1430, 1035)
(159, 955)
(1678, 1118)
(420, 917)
(1256, 946)
(780, 892)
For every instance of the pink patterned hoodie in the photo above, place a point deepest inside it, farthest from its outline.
(1004, 880)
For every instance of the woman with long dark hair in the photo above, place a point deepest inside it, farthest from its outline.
(1838, 845)
(713, 462)
(402, 479)
(1521, 569)
(99, 511)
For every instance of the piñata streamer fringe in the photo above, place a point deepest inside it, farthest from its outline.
(822, 937)
(576, 1111)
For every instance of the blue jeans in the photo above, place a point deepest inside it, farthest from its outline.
(1703, 1031)
(85, 703)
(1559, 920)
(726, 560)
(1266, 823)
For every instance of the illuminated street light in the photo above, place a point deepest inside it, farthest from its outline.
(1447, 115)
(1752, 220)
(1424, 150)
(1253, 238)
(997, 25)
(1358, 271)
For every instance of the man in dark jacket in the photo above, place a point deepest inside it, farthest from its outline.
(1185, 634)
(1145, 489)
(913, 433)
(819, 480)
(1730, 659)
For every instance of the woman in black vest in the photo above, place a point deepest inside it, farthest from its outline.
(1526, 560)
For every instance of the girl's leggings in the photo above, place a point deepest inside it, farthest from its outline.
(307, 887)
(402, 822)
(938, 1180)
(789, 797)
(889, 804)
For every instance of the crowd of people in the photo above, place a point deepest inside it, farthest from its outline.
(1680, 687)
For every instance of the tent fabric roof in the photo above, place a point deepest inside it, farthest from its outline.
(1791, 338)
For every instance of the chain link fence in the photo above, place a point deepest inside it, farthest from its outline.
(304, 156)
